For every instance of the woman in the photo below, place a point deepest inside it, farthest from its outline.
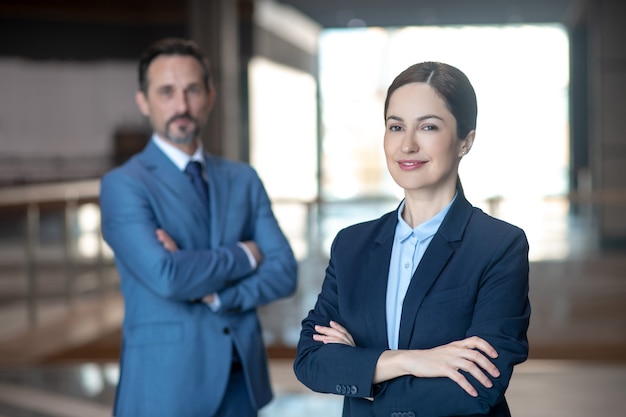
(423, 312)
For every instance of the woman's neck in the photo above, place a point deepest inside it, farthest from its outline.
(420, 207)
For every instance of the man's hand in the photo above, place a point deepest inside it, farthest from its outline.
(208, 299)
(254, 250)
(169, 244)
(166, 240)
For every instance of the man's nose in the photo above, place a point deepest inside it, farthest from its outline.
(182, 103)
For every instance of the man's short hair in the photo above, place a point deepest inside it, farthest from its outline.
(172, 46)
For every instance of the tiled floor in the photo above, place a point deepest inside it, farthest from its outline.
(538, 389)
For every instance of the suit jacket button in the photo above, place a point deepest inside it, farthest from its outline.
(226, 330)
(353, 390)
(338, 389)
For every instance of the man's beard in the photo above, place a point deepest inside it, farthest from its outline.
(184, 138)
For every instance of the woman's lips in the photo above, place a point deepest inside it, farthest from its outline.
(407, 165)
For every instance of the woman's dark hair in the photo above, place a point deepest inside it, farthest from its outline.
(172, 46)
(450, 83)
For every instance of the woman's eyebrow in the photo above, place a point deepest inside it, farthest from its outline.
(419, 119)
(428, 116)
(396, 118)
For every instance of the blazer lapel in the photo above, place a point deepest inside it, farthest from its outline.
(219, 195)
(154, 160)
(375, 280)
(426, 274)
(435, 258)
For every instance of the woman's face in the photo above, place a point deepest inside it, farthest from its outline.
(421, 146)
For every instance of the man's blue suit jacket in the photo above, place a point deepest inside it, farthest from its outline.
(472, 280)
(176, 355)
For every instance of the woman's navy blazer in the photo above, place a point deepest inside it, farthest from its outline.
(472, 281)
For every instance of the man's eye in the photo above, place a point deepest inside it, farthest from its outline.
(194, 90)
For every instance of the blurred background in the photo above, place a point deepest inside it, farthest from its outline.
(301, 86)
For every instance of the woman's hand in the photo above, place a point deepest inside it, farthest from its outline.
(336, 333)
(470, 355)
(166, 240)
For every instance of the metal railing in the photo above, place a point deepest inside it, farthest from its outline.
(309, 226)
(26, 257)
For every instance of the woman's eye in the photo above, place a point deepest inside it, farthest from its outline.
(429, 127)
(395, 128)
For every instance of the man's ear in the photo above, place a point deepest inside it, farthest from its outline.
(212, 94)
(142, 103)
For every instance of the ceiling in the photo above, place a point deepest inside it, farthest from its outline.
(118, 29)
(355, 13)
(327, 13)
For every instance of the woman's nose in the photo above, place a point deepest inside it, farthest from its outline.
(409, 143)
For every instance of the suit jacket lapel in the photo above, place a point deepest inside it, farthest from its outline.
(375, 280)
(154, 160)
(435, 258)
(219, 195)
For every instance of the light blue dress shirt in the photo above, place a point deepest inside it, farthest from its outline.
(408, 248)
(178, 157)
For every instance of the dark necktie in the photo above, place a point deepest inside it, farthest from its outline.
(194, 172)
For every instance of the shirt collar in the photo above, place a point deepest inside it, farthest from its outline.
(421, 231)
(178, 157)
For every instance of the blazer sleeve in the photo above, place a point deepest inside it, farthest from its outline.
(129, 227)
(501, 316)
(276, 275)
(333, 368)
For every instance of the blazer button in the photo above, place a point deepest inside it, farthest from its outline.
(226, 330)
(353, 390)
(338, 389)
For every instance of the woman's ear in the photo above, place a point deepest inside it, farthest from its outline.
(466, 144)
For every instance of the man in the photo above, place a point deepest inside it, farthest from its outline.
(196, 253)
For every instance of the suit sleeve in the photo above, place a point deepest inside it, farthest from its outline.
(333, 368)
(129, 227)
(276, 275)
(501, 316)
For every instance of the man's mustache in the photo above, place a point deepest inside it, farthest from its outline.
(185, 116)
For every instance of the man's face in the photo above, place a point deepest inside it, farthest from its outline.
(177, 101)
